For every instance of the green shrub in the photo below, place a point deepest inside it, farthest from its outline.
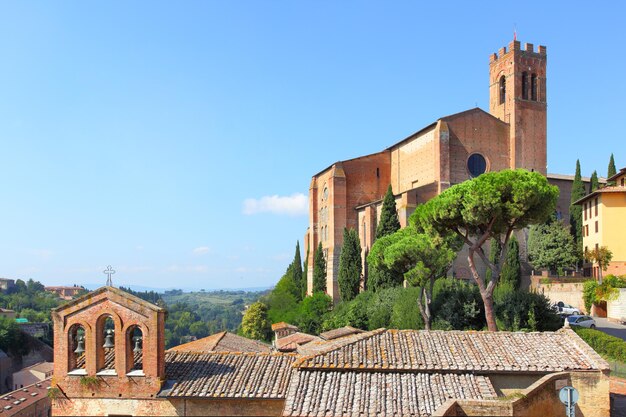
(610, 347)
(523, 310)
(457, 305)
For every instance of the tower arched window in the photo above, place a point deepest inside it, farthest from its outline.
(502, 89)
(533, 87)
(525, 85)
(76, 353)
(134, 350)
(105, 345)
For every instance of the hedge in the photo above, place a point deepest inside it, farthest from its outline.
(608, 346)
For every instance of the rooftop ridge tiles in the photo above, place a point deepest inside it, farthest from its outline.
(587, 350)
(333, 345)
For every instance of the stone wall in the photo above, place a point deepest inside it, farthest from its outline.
(541, 398)
(616, 309)
(168, 407)
(559, 290)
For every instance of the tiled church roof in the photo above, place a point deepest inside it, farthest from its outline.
(419, 350)
(223, 342)
(340, 393)
(227, 375)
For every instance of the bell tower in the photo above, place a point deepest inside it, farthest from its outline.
(517, 96)
(107, 344)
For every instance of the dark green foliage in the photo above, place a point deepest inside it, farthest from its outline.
(523, 310)
(405, 313)
(296, 272)
(457, 306)
(12, 339)
(150, 296)
(382, 277)
(350, 265)
(576, 211)
(494, 257)
(551, 246)
(312, 313)
(611, 170)
(593, 183)
(319, 270)
(511, 269)
(389, 222)
(29, 300)
(305, 274)
(609, 347)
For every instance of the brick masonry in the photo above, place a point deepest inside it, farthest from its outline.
(512, 135)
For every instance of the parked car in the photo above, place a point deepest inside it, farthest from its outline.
(566, 309)
(580, 321)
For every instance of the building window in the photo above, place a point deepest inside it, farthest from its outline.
(585, 210)
(587, 230)
(476, 164)
(596, 205)
(533, 87)
(502, 89)
(596, 226)
(622, 182)
(525, 85)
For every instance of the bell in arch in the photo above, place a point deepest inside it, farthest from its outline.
(137, 348)
(80, 341)
(108, 340)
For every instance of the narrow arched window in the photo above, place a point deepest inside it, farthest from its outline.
(502, 89)
(76, 353)
(525, 85)
(134, 350)
(105, 345)
(533, 87)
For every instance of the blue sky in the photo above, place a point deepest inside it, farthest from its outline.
(174, 140)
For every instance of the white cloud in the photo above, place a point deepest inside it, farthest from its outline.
(201, 250)
(294, 205)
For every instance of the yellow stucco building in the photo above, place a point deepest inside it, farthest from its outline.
(604, 223)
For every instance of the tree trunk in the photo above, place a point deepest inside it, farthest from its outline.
(486, 292)
(424, 309)
(489, 313)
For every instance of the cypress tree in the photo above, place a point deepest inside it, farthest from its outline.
(349, 277)
(576, 211)
(319, 270)
(306, 273)
(296, 268)
(594, 184)
(494, 257)
(611, 171)
(511, 268)
(389, 222)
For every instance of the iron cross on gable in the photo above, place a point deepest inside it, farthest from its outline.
(109, 271)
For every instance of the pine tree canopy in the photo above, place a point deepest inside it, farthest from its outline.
(511, 269)
(389, 222)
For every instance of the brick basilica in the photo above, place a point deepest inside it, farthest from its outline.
(452, 149)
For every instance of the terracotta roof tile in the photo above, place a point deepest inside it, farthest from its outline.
(337, 393)
(228, 375)
(293, 341)
(419, 350)
(223, 342)
(340, 332)
(283, 325)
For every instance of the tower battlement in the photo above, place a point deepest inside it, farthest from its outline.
(529, 48)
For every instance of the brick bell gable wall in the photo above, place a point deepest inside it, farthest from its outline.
(126, 311)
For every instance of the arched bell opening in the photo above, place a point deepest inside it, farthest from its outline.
(105, 345)
(76, 350)
(134, 351)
